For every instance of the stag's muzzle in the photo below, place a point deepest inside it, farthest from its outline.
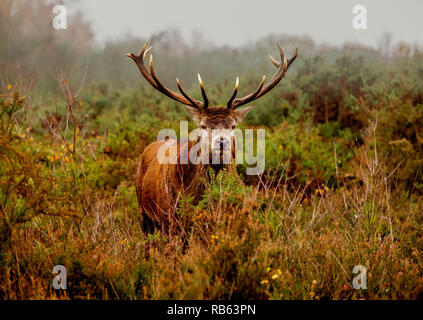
(222, 143)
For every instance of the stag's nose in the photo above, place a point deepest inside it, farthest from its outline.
(222, 143)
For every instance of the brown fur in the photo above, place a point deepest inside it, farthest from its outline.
(159, 186)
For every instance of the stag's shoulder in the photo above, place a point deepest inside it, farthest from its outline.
(150, 153)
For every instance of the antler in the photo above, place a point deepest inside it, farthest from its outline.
(263, 89)
(151, 77)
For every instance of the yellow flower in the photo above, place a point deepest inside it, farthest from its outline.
(214, 238)
(264, 281)
(275, 276)
(279, 271)
(9, 86)
(312, 294)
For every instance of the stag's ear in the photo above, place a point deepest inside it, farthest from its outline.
(195, 113)
(242, 112)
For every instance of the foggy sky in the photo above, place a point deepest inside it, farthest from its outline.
(236, 22)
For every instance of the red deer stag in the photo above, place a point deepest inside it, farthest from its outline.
(159, 185)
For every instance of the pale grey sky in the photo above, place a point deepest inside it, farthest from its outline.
(235, 22)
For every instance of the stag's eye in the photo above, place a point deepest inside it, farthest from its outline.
(234, 126)
(203, 127)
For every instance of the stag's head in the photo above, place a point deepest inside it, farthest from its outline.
(215, 124)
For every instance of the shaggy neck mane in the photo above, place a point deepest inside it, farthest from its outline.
(192, 177)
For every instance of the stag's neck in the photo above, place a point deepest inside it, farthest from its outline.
(190, 177)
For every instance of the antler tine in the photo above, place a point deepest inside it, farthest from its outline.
(183, 92)
(250, 96)
(203, 92)
(155, 82)
(139, 60)
(277, 64)
(286, 63)
(171, 94)
(281, 69)
(146, 52)
(233, 96)
(263, 89)
(293, 58)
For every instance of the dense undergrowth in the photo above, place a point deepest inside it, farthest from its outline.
(343, 187)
